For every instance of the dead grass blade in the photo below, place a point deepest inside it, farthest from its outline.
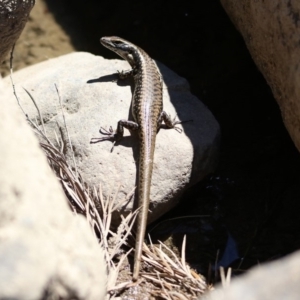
(171, 273)
(225, 279)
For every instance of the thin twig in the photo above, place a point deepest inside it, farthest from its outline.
(11, 79)
(37, 108)
(18, 100)
(63, 114)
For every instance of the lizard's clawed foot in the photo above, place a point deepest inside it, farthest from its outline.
(110, 132)
(170, 123)
(110, 135)
(174, 123)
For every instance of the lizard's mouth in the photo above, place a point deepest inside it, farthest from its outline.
(107, 43)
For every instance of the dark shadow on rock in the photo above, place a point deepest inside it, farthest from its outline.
(113, 78)
(106, 78)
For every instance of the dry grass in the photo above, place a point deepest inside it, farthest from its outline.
(170, 277)
(86, 203)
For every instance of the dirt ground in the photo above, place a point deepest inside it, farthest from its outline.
(41, 39)
(253, 197)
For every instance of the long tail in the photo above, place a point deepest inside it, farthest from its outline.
(144, 184)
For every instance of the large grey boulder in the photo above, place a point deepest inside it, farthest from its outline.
(45, 251)
(277, 281)
(92, 96)
(271, 32)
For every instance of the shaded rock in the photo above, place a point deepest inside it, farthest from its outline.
(93, 97)
(13, 17)
(45, 251)
(271, 31)
(277, 280)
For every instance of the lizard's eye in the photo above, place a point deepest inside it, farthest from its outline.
(118, 43)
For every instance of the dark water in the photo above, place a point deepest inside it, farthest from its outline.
(251, 203)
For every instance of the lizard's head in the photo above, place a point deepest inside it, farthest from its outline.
(119, 46)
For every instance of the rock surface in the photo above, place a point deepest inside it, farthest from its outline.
(13, 17)
(271, 31)
(45, 251)
(93, 97)
(277, 280)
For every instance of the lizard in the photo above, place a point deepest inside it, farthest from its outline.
(148, 114)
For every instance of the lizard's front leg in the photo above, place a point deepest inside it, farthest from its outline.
(125, 74)
(115, 136)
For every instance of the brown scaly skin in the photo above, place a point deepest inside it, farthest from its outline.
(147, 105)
